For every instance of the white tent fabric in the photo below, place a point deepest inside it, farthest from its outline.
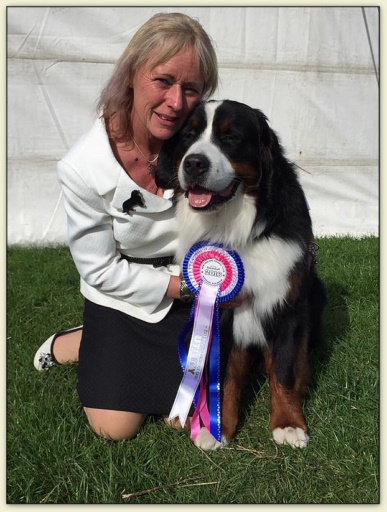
(314, 71)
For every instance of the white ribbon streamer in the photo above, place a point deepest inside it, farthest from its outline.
(196, 358)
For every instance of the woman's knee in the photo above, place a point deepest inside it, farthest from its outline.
(115, 425)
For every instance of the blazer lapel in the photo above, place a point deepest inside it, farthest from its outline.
(151, 202)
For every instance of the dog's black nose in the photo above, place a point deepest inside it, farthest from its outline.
(196, 164)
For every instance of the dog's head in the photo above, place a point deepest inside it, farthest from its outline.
(224, 147)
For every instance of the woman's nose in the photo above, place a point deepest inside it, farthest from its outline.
(175, 97)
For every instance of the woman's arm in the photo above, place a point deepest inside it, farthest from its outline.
(173, 290)
(94, 250)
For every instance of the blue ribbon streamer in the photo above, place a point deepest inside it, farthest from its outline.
(214, 378)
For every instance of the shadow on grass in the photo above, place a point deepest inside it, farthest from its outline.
(335, 326)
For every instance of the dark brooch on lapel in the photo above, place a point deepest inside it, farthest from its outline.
(136, 199)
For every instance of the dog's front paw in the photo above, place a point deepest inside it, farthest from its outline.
(206, 441)
(296, 437)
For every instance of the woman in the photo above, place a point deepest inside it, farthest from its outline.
(122, 230)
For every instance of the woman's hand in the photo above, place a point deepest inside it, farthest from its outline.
(173, 292)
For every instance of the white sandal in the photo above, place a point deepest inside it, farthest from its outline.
(44, 358)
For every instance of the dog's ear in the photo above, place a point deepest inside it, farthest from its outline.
(269, 145)
(166, 171)
(268, 137)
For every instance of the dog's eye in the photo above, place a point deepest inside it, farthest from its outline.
(189, 136)
(229, 137)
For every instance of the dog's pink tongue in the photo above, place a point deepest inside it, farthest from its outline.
(199, 197)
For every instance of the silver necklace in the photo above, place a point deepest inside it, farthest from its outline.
(150, 166)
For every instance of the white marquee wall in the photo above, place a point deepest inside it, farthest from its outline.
(313, 71)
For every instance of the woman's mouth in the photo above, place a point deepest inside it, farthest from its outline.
(169, 120)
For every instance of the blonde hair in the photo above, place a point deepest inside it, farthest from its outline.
(160, 38)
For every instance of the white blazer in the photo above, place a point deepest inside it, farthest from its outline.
(95, 186)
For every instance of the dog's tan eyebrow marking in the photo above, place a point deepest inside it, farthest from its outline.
(195, 122)
(224, 126)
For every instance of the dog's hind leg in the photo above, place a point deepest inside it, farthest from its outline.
(237, 369)
(288, 380)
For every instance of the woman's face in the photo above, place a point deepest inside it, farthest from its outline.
(164, 95)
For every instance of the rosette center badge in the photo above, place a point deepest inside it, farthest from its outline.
(213, 272)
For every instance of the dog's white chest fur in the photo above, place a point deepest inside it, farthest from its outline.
(267, 261)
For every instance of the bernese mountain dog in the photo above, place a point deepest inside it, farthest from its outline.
(233, 185)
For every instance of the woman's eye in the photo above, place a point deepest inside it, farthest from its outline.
(192, 91)
(163, 81)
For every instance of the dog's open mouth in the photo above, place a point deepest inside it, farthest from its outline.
(200, 198)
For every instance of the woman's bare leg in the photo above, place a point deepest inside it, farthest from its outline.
(115, 425)
(66, 347)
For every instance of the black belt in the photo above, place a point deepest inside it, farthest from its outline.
(163, 261)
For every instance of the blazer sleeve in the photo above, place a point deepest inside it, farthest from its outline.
(94, 250)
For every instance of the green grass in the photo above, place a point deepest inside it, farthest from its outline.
(54, 457)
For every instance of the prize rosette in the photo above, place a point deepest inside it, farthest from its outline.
(214, 274)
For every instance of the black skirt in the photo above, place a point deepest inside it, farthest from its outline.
(127, 364)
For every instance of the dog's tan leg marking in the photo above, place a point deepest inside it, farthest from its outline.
(237, 368)
(175, 423)
(287, 420)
